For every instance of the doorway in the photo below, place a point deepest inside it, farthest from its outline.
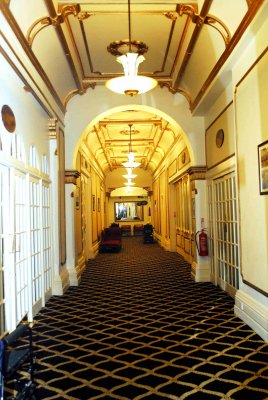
(223, 233)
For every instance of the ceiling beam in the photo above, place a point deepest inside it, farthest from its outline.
(188, 53)
(53, 14)
(30, 54)
(254, 7)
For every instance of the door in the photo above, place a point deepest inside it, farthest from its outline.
(35, 246)
(46, 242)
(21, 246)
(5, 316)
(223, 224)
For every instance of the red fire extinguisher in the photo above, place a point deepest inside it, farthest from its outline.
(202, 243)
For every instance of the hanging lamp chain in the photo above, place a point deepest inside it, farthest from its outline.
(130, 145)
(129, 27)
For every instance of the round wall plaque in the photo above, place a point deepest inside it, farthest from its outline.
(219, 138)
(8, 119)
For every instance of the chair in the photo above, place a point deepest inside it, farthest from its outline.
(126, 230)
(17, 356)
(138, 229)
(148, 236)
(111, 239)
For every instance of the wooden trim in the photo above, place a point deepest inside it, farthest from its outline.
(253, 286)
(220, 162)
(203, 13)
(252, 66)
(218, 116)
(64, 44)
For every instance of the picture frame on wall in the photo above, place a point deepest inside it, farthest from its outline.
(93, 202)
(77, 198)
(263, 167)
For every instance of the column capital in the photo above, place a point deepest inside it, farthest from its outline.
(71, 176)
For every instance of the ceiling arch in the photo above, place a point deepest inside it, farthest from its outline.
(154, 135)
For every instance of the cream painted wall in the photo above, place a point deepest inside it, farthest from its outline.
(252, 130)
(31, 126)
(216, 154)
(95, 104)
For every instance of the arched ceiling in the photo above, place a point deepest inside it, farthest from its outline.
(189, 42)
(152, 138)
(190, 50)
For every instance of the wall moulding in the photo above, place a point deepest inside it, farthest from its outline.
(71, 176)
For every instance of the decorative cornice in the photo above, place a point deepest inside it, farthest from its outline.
(55, 20)
(71, 176)
(217, 24)
(197, 172)
(171, 89)
(191, 45)
(74, 92)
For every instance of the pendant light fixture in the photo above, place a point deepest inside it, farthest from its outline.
(131, 83)
(131, 156)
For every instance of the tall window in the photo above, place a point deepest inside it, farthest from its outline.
(33, 157)
(35, 241)
(45, 166)
(4, 236)
(21, 247)
(46, 229)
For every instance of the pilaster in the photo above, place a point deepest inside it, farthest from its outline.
(71, 177)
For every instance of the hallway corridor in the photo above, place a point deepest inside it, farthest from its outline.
(139, 328)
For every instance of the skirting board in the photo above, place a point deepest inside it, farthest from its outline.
(252, 312)
(80, 267)
(60, 283)
(200, 272)
(93, 251)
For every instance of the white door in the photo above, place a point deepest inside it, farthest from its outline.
(223, 228)
(19, 262)
(5, 243)
(46, 242)
(36, 277)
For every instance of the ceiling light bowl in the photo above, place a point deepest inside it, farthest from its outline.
(131, 85)
(131, 164)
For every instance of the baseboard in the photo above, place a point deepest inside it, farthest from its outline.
(80, 266)
(252, 312)
(93, 251)
(61, 283)
(200, 272)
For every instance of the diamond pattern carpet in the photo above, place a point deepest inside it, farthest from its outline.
(139, 328)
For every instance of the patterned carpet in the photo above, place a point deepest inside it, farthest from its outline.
(139, 328)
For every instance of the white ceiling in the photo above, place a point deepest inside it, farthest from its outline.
(189, 43)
